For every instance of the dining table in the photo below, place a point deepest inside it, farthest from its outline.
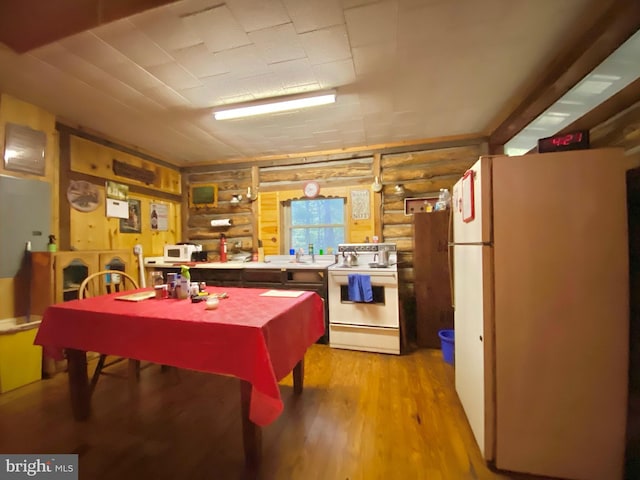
(256, 335)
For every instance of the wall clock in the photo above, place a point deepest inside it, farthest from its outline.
(311, 189)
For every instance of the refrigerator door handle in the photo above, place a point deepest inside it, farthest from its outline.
(450, 259)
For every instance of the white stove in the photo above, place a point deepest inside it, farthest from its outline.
(367, 257)
(373, 324)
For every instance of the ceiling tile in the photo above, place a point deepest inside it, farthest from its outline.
(200, 96)
(370, 60)
(200, 62)
(258, 14)
(243, 61)
(166, 29)
(217, 28)
(370, 24)
(93, 49)
(131, 42)
(295, 73)
(166, 96)
(134, 75)
(327, 45)
(278, 44)
(425, 68)
(335, 74)
(314, 14)
(174, 75)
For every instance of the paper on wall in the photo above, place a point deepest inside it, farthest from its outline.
(117, 208)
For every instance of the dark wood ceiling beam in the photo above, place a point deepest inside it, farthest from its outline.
(619, 22)
(28, 24)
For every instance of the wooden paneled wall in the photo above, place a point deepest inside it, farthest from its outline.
(13, 302)
(92, 161)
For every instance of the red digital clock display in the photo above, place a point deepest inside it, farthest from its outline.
(565, 141)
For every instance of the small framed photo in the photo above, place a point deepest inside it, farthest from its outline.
(133, 223)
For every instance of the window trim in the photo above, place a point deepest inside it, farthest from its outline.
(285, 208)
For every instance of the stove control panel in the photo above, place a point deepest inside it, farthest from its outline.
(366, 247)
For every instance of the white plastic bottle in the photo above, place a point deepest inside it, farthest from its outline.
(444, 200)
(185, 284)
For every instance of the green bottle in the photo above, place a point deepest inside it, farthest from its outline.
(51, 246)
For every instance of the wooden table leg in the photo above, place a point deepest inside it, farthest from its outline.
(251, 433)
(79, 390)
(298, 377)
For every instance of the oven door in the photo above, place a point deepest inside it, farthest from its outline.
(382, 312)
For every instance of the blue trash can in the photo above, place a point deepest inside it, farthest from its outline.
(448, 345)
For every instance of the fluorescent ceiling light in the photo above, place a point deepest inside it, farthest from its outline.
(291, 103)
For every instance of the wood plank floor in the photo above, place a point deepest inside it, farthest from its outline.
(361, 416)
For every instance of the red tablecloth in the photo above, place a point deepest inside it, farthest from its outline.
(255, 338)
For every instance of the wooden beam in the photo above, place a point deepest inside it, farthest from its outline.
(28, 24)
(339, 154)
(588, 49)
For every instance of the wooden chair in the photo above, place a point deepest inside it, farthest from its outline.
(102, 283)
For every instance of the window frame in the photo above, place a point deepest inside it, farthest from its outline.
(288, 227)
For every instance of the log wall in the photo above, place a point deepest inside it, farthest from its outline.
(422, 172)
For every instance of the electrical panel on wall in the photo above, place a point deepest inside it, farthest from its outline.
(25, 218)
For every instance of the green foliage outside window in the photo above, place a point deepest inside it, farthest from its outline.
(319, 221)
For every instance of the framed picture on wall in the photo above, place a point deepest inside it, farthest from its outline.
(133, 223)
(203, 195)
(24, 149)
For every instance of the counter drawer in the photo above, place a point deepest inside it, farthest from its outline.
(262, 276)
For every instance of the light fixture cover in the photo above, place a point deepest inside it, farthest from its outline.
(277, 105)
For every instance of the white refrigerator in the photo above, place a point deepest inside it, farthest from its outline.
(540, 262)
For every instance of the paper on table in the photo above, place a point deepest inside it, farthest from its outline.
(137, 296)
(282, 293)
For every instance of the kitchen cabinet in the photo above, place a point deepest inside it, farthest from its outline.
(121, 260)
(431, 277)
(216, 277)
(56, 277)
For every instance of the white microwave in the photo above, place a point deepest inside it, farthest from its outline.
(182, 252)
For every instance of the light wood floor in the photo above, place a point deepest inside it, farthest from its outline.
(361, 416)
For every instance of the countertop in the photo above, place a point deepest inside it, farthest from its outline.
(278, 262)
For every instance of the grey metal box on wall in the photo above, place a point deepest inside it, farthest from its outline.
(25, 216)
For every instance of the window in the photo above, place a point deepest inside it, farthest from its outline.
(318, 221)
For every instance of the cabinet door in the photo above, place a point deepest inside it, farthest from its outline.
(71, 268)
(42, 288)
(433, 313)
(432, 279)
(117, 260)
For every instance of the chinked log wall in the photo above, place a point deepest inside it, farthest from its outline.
(422, 173)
